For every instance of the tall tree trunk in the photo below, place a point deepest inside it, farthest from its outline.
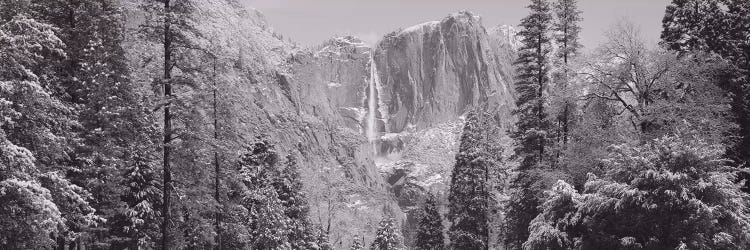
(167, 179)
(217, 168)
(540, 94)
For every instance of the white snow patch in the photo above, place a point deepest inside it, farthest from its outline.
(421, 26)
(356, 203)
(431, 180)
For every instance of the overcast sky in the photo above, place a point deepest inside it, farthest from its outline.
(310, 22)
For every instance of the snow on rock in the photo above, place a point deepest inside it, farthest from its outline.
(421, 27)
(434, 72)
(506, 35)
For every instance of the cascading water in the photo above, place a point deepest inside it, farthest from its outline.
(372, 102)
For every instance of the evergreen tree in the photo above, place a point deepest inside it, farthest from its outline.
(169, 24)
(36, 201)
(267, 223)
(430, 228)
(115, 133)
(471, 180)
(566, 30)
(321, 240)
(532, 68)
(531, 132)
(718, 27)
(555, 224)
(357, 243)
(387, 237)
(679, 187)
(137, 226)
(289, 187)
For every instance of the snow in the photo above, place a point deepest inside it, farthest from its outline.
(420, 27)
(335, 46)
(507, 34)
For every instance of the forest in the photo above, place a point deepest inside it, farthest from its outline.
(124, 127)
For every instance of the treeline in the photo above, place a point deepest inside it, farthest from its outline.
(119, 130)
(631, 146)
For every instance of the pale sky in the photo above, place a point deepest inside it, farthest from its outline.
(311, 22)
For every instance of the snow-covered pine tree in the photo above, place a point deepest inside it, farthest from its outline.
(430, 228)
(137, 227)
(169, 24)
(469, 194)
(266, 219)
(113, 125)
(719, 27)
(269, 227)
(29, 215)
(556, 226)
(566, 30)
(289, 187)
(35, 134)
(679, 187)
(388, 236)
(321, 240)
(531, 132)
(532, 66)
(357, 243)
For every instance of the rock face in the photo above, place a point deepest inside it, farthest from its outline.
(329, 83)
(430, 75)
(435, 72)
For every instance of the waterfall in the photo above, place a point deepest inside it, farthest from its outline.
(372, 101)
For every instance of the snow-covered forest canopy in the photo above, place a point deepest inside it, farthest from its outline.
(192, 124)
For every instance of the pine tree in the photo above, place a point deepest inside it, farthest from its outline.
(168, 24)
(675, 185)
(532, 68)
(532, 127)
(387, 237)
(718, 27)
(267, 221)
(94, 79)
(430, 228)
(469, 196)
(321, 240)
(38, 202)
(289, 187)
(136, 227)
(566, 31)
(357, 243)
(555, 226)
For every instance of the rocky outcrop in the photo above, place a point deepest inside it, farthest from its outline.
(434, 72)
(428, 76)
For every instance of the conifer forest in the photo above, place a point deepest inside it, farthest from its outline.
(194, 124)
